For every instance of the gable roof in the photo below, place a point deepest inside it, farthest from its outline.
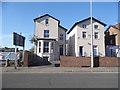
(45, 16)
(63, 28)
(86, 20)
(113, 26)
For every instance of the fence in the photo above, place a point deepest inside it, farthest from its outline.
(9, 56)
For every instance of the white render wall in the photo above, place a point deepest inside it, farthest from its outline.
(62, 42)
(72, 42)
(52, 26)
(54, 32)
(75, 42)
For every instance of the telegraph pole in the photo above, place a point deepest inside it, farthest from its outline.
(92, 59)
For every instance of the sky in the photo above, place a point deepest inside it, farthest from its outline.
(18, 16)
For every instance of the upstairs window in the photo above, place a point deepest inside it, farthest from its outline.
(96, 27)
(46, 33)
(84, 26)
(84, 34)
(61, 36)
(46, 21)
(111, 41)
(96, 35)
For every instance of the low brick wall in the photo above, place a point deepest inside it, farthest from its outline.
(31, 59)
(69, 61)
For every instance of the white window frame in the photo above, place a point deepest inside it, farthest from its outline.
(61, 37)
(82, 35)
(47, 20)
(97, 28)
(46, 34)
(84, 25)
(82, 51)
(39, 46)
(44, 47)
(97, 34)
(96, 49)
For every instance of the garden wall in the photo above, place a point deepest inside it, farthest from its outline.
(70, 61)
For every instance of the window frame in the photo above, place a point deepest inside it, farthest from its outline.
(46, 34)
(84, 25)
(61, 37)
(39, 47)
(96, 34)
(95, 47)
(46, 47)
(46, 21)
(96, 28)
(83, 35)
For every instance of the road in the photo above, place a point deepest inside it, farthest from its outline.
(60, 80)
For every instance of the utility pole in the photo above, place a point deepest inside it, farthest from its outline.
(92, 59)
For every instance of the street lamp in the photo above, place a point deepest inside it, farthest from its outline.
(91, 33)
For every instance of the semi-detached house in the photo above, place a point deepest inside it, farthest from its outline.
(79, 38)
(51, 38)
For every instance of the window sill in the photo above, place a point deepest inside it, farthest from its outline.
(96, 38)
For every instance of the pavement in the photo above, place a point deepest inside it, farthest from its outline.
(52, 69)
(47, 69)
(50, 76)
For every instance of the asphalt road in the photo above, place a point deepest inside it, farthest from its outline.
(60, 80)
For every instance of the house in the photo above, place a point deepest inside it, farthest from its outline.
(112, 40)
(50, 38)
(79, 38)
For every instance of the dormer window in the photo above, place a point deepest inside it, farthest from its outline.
(96, 27)
(46, 21)
(84, 26)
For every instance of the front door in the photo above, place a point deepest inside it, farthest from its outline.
(45, 58)
(61, 50)
(81, 51)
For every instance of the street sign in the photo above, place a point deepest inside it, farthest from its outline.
(18, 40)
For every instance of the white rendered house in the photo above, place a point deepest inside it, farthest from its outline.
(51, 38)
(79, 38)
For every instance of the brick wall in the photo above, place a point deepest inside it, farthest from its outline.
(69, 61)
(31, 59)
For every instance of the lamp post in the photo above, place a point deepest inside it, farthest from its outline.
(91, 33)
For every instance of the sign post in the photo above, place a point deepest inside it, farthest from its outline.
(15, 57)
(18, 40)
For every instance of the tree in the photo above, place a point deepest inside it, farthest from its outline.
(32, 50)
(32, 40)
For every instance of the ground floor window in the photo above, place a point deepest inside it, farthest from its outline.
(46, 47)
(95, 50)
(39, 47)
(52, 47)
